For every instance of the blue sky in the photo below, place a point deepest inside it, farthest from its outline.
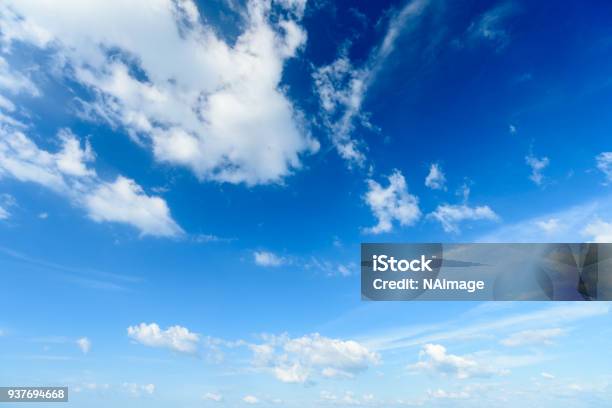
(184, 187)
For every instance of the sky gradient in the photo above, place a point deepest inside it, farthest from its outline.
(184, 187)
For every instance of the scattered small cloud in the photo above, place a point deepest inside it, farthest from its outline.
(210, 238)
(250, 399)
(137, 390)
(604, 164)
(450, 216)
(175, 338)
(434, 358)
(537, 165)
(436, 180)
(448, 395)
(512, 129)
(265, 258)
(299, 360)
(549, 226)
(6, 201)
(84, 345)
(548, 376)
(391, 203)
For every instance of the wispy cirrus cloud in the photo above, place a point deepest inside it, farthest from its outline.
(342, 86)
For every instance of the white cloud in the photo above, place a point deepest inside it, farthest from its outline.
(436, 179)
(512, 129)
(265, 258)
(125, 201)
(548, 376)
(67, 172)
(14, 82)
(537, 165)
(294, 373)
(530, 337)
(298, 360)
(490, 27)
(450, 216)
(435, 359)
(200, 105)
(347, 399)
(572, 225)
(250, 399)
(84, 344)
(4, 214)
(211, 396)
(443, 394)
(342, 86)
(458, 330)
(136, 390)
(6, 201)
(176, 338)
(72, 159)
(549, 226)
(598, 231)
(604, 164)
(391, 203)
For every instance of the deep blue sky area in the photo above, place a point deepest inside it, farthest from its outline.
(184, 187)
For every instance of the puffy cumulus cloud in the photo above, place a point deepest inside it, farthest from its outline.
(250, 399)
(434, 358)
(391, 203)
(67, 172)
(265, 258)
(604, 164)
(84, 345)
(531, 337)
(137, 390)
(536, 165)
(125, 201)
(176, 338)
(161, 73)
(598, 231)
(436, 180)
(450, 216)
(298, 360)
